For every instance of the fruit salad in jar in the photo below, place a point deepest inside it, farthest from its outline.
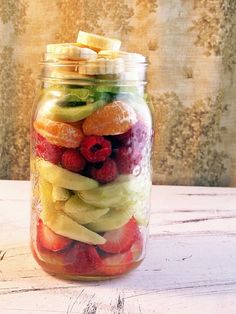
(90, 160)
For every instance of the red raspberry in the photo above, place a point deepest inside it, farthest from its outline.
(72, 160)
(107, 172)
(126, 159)
(95, 148)
(46, 150)
(136, 137)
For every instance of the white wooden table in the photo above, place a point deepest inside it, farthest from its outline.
(190, 266)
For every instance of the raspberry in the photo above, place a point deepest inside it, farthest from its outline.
(95, 148)
(72, 160)
(136, 137)
(126, 159)
(46, 150)
(106, 172)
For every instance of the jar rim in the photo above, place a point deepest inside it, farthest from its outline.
(98, 71)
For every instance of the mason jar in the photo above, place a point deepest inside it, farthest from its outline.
(90, 167)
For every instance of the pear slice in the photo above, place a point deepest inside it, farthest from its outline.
(60, 194)
(81, 212)
(61, 224)
(114, 219)
(63, 178)
(118, 194)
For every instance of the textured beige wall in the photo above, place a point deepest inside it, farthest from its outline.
(191, 45)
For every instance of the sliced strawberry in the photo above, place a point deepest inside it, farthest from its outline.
(116, 264)
(120, 240)
(137, 247)
(86, 260)
(48, 239)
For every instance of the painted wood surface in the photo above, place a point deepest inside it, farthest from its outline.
(190, 265)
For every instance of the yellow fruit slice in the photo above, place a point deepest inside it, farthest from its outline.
(70, 51)
(60, 194)
(61, 224)
(97, 42)
(126, 56)
(114, 219)
(63, 178)
(81, 212)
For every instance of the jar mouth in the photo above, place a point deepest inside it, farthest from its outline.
(100, 70)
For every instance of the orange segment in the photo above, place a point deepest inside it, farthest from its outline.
(114, 118)
(59, 133)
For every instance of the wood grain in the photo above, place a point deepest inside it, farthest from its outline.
(190, 265)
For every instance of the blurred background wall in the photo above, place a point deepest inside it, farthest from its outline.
(191, 45)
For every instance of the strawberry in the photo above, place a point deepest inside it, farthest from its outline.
(120, 240)
(137, 247)
(116, 264)
(46, 150)
(48, 239)
(72, 160)
(104, 172)
(85, 259)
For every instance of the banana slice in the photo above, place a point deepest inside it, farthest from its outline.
(102, 66)
(126, 56)
(97, 42)
(70, 51)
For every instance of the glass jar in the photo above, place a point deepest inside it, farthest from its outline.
(90, 167)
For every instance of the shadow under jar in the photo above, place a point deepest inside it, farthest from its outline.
(90, 168)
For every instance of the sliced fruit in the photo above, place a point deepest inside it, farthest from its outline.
(114, 195)
(98, 42)
(126, 56)
(103, 67)
(59, 133)
(137, 248)
(86, 260)
(67, 227)
(70, 51)
(114, 219)
(57, 259)
(120, 240)
(63, 178)
(45, 193)
(60, 194)
(116, 264)
(50, 240)
(82, 212)
(114, 118)
(61, 224)
(71, 114)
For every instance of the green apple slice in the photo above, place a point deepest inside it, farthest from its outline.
(81, 212)
(63, 178)
(60, 223)
(114, 219)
